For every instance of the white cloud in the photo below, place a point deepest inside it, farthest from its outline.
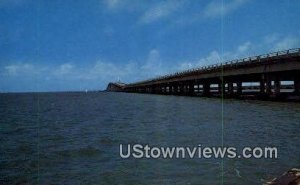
(94, 76)
(64, 69)
(99, 72)
(185, 65)
(212, 58)
(213, 9)
(152, 11)
(217, 8)
(269, 43)
(102, 70)
(244, 47)
(215, 57)
(21, 69)
(127, 5)
(108, 71)
(277, 42)
(11, 70)
(269, 39)
(153, 62)
(287, 43)
(243, 50)
(155, 66)
(160, 10)
(112, 4)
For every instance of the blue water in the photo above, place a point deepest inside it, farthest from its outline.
(73, 138)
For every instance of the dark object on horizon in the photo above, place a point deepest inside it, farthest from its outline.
(291, 177)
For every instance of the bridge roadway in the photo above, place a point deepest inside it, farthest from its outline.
(269, 70)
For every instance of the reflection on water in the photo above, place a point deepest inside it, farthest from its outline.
(72, 138)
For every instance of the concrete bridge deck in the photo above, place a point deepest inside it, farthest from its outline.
(268, 70)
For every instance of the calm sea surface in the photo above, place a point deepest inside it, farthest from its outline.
(74, 138)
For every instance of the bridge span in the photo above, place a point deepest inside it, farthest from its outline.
(233, 78)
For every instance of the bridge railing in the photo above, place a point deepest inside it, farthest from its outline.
(230, 63)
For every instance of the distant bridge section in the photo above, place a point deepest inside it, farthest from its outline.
(229, 78)
(115, 86)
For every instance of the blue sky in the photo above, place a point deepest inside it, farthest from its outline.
(76, 45)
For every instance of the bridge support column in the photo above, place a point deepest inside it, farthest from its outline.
(206, 89)
(186, 88)
(175, 88)
(191, 89)
(221, 88)
(297, 85)
(239, 88)
(277, 87)
(198, 88)
(269, 87)
(155, 89)
(181, 88)
(230, 88)
(262, 86)
(158, 89)
(152, 89)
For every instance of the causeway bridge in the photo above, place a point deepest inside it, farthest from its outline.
(274, 75)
